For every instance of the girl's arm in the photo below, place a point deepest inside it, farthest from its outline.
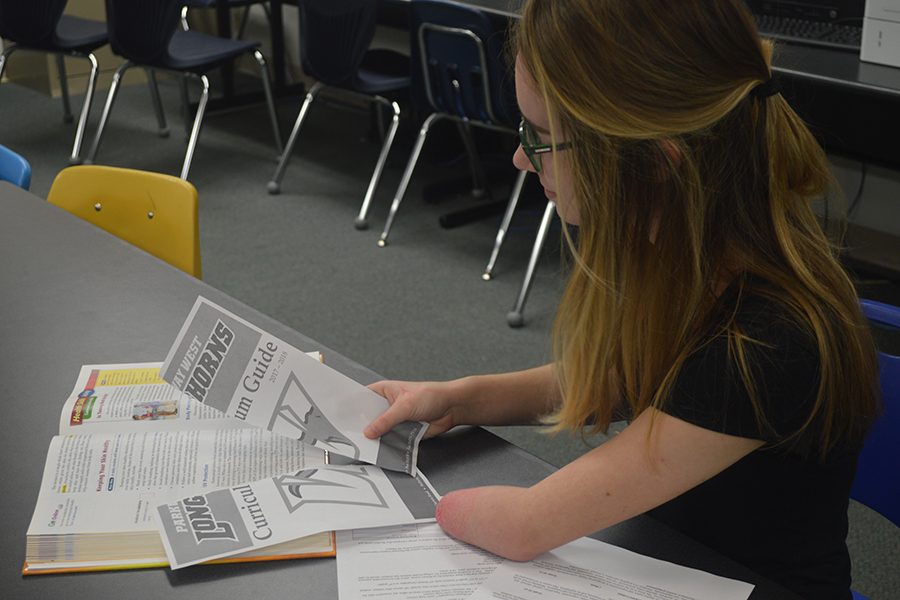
(628, 475)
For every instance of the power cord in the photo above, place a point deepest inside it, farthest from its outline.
(859, 191)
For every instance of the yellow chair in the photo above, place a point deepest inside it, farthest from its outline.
(155, 212)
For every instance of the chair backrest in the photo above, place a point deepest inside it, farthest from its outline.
(30, 22)
(155, 212)
(140, 30)
(334, 37)
(457, 56)
(14, 168)
(877, 482)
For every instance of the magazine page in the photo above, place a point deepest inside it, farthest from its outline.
(227, 363)
(133, 397)
(243, 517)
(112, 482)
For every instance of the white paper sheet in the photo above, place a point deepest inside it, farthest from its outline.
(588, 569)
(409, 562)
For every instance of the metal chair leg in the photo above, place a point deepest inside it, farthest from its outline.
(504, 224)
(107, 108)
(195, 132)
(182, 82)
(5, 54)
(185, 103)
(514, 318)
(270, 102)
(274, 186)
(157, 103)
(361, 222)
(75, 158)
(407, 174)
(479, 184)
(64, 88)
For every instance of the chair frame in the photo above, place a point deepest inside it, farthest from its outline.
(464, 123)
(201, 107)
(75, 157)
(515, 318)
(274, 185)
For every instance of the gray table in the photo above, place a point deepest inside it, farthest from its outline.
(73, 295)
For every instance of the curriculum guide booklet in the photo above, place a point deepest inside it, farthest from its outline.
(253, 377)
(230, 364)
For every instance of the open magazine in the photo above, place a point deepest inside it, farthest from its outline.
(129, 441)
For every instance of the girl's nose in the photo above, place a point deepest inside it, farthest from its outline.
(520, 161)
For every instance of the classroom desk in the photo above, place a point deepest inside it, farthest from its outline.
(73, 295)
(852, 105)
(504, 8)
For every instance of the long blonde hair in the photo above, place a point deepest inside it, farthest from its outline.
(684, 179)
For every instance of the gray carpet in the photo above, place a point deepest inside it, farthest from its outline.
(417, 309)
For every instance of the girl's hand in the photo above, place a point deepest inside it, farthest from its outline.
(430, 402)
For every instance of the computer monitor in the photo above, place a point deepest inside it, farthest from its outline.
(812, 10)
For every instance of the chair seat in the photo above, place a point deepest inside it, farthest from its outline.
(194, 51)
(370, 82)
(382, 70)
(77, 34)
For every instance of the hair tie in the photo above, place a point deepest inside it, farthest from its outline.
(767, 89)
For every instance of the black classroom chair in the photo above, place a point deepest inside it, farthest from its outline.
(146, 33)
(334, 48)
(457, 55)
(41, 26)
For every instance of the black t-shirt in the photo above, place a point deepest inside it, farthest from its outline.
(778, 511)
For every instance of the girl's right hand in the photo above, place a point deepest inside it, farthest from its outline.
(430, 402)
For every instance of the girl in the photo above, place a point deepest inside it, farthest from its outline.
(705, 303)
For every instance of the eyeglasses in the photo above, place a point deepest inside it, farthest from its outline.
(533, 147)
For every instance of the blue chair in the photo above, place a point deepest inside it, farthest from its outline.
(457, 57)
(146, 33)
(40, 25)
(14, 168)
(334, 45)
(877, 482)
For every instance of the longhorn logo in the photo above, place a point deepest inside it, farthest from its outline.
(349, 486)
(297, 408)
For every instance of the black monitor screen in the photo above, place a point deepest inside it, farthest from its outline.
(814, 10)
